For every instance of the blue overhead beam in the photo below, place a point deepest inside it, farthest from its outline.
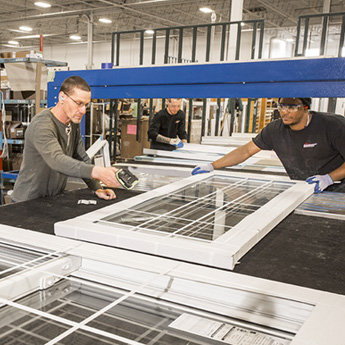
(298, 77)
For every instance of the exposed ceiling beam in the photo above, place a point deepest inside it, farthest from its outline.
(277, 10)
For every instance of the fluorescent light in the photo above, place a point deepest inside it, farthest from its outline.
(25, 28)
(75, 37)
(149, 31)
(33, 36)
(42, 4)
(13, 42)
(290, 40)
(29, 36)
(105, 20)
(205, 9)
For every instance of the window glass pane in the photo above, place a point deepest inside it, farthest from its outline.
(204, 210)
(15, 259)
(19, 327)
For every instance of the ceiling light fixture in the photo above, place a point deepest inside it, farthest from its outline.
(149, 31)
(42, 4)
(105, 20)
(28, 36)
(13, 42)
(25, 28)
(75, 37)
(205, 9)
(33, 36)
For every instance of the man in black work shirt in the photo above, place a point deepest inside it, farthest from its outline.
(168, 128)
(307, 143)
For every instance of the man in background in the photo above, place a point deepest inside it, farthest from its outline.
(168, 128)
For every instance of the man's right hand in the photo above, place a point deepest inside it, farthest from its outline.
(106, 175)
(321, 182)
(202, 168)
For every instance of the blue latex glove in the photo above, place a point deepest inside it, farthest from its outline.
(321, 182)
(180, 144)
(202, 168)
(176, 142)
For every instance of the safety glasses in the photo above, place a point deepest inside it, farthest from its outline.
(289, 107)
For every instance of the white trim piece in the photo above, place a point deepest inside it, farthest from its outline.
(320, 214)
(247, 165)
(325, 205)
(101, 146)
(193, 154)
(215, 151)
(313, 317)
(224, 252)
(237, 139)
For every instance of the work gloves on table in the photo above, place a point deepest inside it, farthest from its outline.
(321, 182)
(176, 142)
(202, 168)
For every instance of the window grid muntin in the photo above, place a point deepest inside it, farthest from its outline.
(168, 221)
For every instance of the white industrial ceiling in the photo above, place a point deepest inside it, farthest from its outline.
(67, 17)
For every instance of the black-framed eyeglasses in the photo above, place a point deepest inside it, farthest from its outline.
(289, 107)
(79, 104)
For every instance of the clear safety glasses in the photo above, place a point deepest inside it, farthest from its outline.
(289, 107)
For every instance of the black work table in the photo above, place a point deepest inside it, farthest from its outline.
(301, 250)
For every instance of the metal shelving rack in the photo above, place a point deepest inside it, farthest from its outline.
(12, 175)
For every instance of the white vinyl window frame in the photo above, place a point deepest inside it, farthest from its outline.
(223, 252)
(311, 316)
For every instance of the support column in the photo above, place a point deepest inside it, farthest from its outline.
(326, 6)
(89, 64)
(235, 15)
(326, 9)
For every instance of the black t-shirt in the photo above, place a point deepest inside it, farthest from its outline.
(317, 149)
(169, 126)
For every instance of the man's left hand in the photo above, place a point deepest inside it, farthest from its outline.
(107, 194)
(176, 142)
(321, 182)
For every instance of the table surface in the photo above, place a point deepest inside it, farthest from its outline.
(301, 250)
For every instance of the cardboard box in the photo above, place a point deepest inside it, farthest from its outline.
(32, 94)
(130, 147)
(14, 130)
(6, 55)
(28, 94)
(17, 54)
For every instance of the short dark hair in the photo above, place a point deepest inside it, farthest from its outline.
(74, 82)
(169, 99)
(305, 101)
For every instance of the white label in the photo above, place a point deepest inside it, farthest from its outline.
(224, 332)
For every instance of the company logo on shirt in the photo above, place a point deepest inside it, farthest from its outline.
(177, 121)
(308, 145)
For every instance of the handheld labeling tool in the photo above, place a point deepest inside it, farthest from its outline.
(126, 178)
